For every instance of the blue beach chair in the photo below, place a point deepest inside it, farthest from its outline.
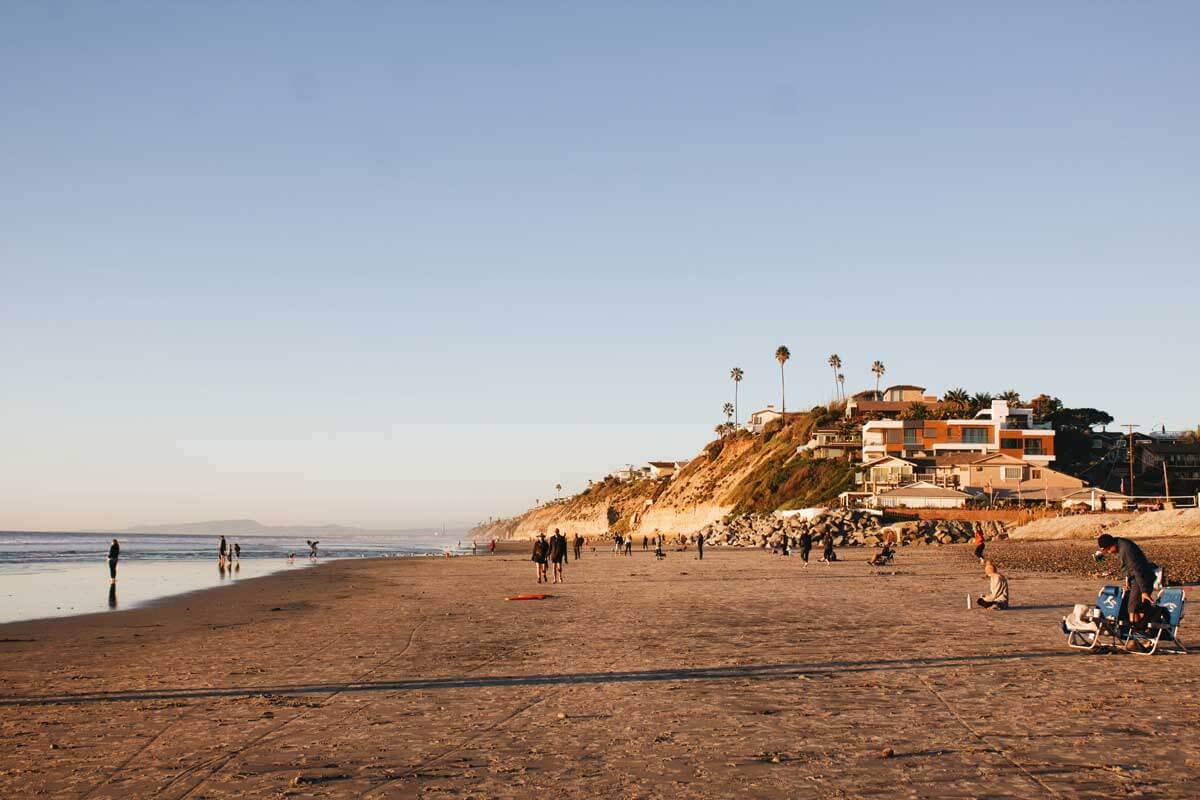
(1165, 630)
(1087, 627)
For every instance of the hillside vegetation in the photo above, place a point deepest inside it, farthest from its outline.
(736, 474)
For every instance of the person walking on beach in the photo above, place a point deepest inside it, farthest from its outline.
(805, 546)
(541, 554)
(237, 551)
(629, 546)
(997, 596)
(312, 548)
(222, 550)
(827, 555)
(491, 547)
(114, 553)
(558, 554)
(700, 545)
(577, 545)
(979, 543)
(645, 542)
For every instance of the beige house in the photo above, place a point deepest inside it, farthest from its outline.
(1097, 500)
(922, 494)
(1004, 476)
(664, 469)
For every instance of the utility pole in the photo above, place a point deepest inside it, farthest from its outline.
(1129, 448)
(1166, 481)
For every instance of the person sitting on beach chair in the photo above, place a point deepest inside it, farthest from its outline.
(997, 596)
(884, 556)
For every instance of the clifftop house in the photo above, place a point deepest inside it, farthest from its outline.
(998, 429)
(759, 419)
(889, 403)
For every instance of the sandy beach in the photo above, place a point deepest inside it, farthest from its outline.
(744, 675)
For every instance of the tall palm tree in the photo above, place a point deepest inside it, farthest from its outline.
(841, 379)
(727, 410)
(835, 363)
(558, 488)
(737, 374)
(782, 354)
(1012, 397)
(878, 369)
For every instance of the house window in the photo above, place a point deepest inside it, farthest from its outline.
(976, 435)
(1033, 447)
(894, 436)
(912, 436)
(930, 433)
(1012, 473)
(1010, 444)
(1035, 474)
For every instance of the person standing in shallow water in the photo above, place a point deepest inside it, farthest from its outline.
(114, 553)
(222, 551)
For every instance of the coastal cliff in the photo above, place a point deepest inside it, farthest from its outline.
(736, 474)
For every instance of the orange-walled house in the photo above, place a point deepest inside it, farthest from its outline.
(998, 429)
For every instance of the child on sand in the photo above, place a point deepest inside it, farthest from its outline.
(979, 543)
(997, 596)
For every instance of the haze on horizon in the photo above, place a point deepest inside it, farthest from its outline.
(398, 266)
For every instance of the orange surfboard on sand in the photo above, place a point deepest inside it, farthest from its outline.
(528, 597)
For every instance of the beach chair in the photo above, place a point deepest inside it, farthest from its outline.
(1087, 627)
(1163, 631)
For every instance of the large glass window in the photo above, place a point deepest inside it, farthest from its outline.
(1033, 447)
(1011, 444)
(912, 436)
(976, 435)
(894, 436)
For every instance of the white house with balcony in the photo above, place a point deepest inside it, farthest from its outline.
(759, 419)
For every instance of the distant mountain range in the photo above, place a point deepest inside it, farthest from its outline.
(250, 527)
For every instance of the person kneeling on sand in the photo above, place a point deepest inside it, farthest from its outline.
(997, 596)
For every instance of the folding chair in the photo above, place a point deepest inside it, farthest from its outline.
(1163, 630)
(1086, 627)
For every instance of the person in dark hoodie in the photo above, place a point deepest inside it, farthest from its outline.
(114, 553)
(1139, 572)
(805, 546)
(558, 554)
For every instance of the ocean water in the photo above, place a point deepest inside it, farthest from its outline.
(59, 574)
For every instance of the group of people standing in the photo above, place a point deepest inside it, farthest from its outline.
(804, 543)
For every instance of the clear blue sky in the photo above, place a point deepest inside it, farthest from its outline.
(404, 263)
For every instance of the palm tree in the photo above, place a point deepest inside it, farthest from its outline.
(727, 410)
(835, 363)
(1012, 397)
(737, 374)
(878, 369)
(782, 354)
(841, 379)
(981, 400)
(558, 489)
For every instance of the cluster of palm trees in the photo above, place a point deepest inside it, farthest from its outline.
(961, 403)
(783, 355)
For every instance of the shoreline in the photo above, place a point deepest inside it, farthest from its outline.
(742, 674)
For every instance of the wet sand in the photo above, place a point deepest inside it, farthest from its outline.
(744, 675)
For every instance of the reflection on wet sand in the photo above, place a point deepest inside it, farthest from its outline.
(112, 595)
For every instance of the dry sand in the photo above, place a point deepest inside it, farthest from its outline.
(1142, 525)
(744, 675)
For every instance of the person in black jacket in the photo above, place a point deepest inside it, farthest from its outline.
(558, 554)
(1139, 572)
(805, 546)
(114, 553)
(541, 554)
